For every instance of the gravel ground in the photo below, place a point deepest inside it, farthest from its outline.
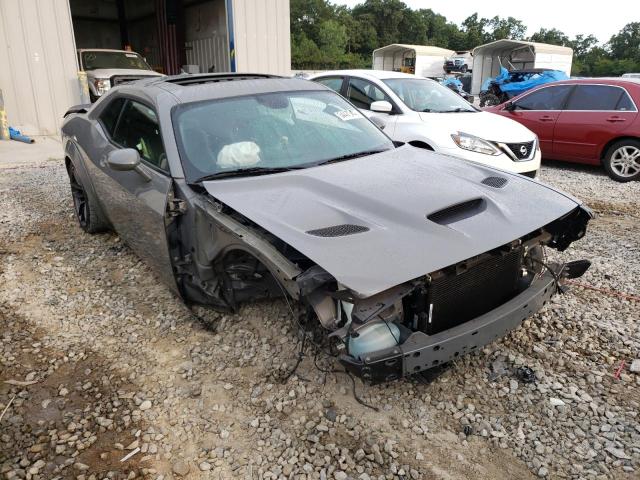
(99, 361)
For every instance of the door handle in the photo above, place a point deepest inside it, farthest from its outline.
(546, 118)
(615, 119)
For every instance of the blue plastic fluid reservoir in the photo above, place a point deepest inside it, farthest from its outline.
(373, 337)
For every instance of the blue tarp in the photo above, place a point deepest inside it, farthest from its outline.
(500, 79)
(532, 80)
(453, 81)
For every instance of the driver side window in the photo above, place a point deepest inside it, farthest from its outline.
(138, 128)
(363, 93)
(549, 98)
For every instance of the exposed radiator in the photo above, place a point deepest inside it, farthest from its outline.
(456, 298)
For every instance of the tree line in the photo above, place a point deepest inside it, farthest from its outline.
(328, 36)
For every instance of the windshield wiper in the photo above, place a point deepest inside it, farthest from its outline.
(457, 110)
(246, 172)
(350, 156)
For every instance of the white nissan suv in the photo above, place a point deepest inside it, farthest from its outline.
(423, 113)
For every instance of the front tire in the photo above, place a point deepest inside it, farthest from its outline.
(622, 160)
(87, 211)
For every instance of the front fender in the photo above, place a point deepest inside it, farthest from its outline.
(236, 236)
(72, 154)
(418, 134)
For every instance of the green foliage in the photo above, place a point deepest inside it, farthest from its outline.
(327, 36)
(626, 44)
(552, 36)
(506, 28)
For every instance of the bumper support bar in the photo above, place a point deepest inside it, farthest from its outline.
(421, 352)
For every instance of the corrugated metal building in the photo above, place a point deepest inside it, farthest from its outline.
(39, 38)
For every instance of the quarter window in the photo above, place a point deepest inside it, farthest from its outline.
(625, 104)
(363, 93)
(549, 98)
(598, 97)
(109, 116)
(334, 83)
(138, 128)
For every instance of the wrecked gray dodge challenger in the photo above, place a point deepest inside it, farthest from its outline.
(241, 187)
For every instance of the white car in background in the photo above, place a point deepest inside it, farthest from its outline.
(423, 113)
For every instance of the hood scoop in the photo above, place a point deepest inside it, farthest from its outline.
(495, 182)
(391, 194)
(458, 212)
(338, 230)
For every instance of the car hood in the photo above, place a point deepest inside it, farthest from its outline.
(109, 72)
(481, 124)
(391, 194)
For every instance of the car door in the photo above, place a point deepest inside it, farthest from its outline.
(136, 201)
(539, 111)
(362, 93)
(593, 115)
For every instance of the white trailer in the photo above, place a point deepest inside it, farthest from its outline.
(421, 60)
(517, 55)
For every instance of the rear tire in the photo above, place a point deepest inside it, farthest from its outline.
(622, 160)
(463, 69)
(87, 211)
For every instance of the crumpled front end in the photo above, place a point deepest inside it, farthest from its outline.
(436, 318)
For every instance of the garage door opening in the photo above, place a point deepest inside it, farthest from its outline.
(172, 35)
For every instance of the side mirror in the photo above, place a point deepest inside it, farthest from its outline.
(378, 122)
(126, 159)
(381, 106)
(510, 107)
(123, 159)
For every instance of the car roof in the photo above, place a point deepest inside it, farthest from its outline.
(601, 80)
(198, 87)
(370, 74)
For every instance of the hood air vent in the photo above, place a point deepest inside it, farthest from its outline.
(457, 212)
(338, 230)
(495, 182)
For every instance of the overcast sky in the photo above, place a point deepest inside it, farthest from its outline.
(602, 19)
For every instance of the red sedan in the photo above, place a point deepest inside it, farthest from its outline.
(593, 121)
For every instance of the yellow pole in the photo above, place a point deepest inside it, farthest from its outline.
(4, 125)
(84, 87)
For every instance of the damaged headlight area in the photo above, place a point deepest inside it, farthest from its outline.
(437, 318)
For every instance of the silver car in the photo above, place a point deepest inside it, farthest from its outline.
(237, 187)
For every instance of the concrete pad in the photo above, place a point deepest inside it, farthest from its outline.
(17, 154)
